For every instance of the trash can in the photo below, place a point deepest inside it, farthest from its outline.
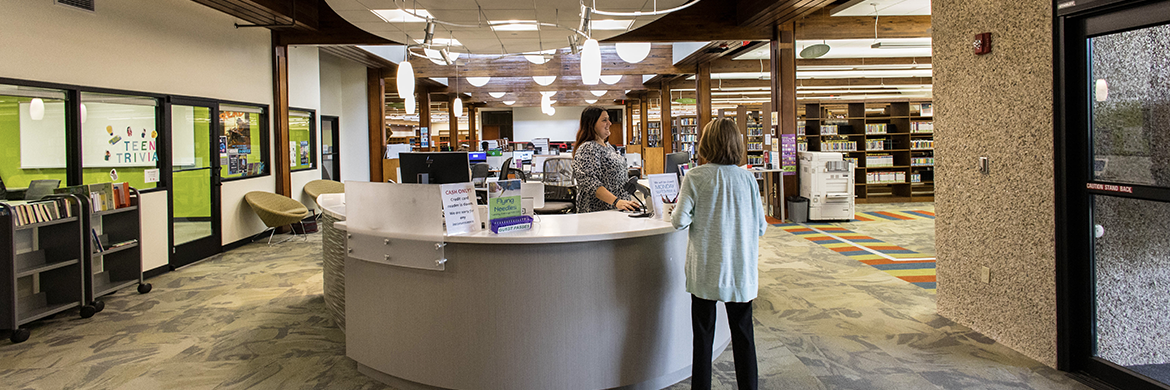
(797, 209)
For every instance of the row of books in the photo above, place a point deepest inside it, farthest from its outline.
(838, 145)
(921, 127)
(881, 160)
(755, 160)
(755, 146)
(875, 128)
(875, 144)
(24, 213)
(687, 121)
(892, 177)
(922, 161)
(755, 129)
(915, 177)
(102, 196)
(921, 144)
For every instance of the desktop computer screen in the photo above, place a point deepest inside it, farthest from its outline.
(435, 167)
(523, 155)
(674, 160)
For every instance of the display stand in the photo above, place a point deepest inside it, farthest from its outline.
(42, 272)
(118, 263)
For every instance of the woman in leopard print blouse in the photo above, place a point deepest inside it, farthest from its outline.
(600, 171)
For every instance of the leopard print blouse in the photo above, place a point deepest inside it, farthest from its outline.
(598, 165)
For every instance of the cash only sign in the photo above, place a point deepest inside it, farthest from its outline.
(459, 208)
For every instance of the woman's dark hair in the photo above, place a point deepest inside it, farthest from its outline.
(588, 132)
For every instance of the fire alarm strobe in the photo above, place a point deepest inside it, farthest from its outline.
(982, 43)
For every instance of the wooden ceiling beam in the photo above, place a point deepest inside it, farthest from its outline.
(360, 56)
(820, 25)
(271, 12)
(766, 13)
(708, 20)
(741, 83)
(728, 65)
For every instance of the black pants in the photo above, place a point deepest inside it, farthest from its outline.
(743, 343)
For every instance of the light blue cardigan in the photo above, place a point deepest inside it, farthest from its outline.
(721, 204)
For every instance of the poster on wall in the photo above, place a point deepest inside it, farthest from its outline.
(788, 153)
(222, 144)
(237, 127)
(233, 164)
(304, 152)
(424, 137)
(292, 153)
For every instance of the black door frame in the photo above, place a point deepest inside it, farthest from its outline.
(334, 149)
(1075, 185)
(208, 246)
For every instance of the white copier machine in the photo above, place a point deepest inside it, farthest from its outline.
(826, 179)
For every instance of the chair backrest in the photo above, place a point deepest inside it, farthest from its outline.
(508, 168)
(558, 171)
(479, 173)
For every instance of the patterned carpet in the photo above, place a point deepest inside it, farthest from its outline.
(254, 318)
(897, 261)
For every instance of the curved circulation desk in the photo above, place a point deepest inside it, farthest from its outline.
(585, 301)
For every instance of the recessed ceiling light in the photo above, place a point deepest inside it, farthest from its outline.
(398, 16)
(611, 24)
(513, 25)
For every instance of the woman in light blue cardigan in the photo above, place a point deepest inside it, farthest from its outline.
(721, 204)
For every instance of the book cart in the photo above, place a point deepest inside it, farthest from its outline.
(115, 260)
(42, 274)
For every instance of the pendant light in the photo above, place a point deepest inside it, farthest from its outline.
(478, 81)
(409, 105)
(497, 95)
(598, 93)
(83, 112)
(36, 109)
(632, 52)
(544, 81)
(405, 78)
(457, 107)
(611, 79)
(590, 62)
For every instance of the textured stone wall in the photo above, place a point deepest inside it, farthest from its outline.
(998, 105)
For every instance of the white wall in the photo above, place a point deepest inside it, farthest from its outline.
(343, 94)
(304, 91)
(159, 46)
(529, 123)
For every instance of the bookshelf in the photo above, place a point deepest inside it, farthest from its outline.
(43, 272)
(653, 134)
(115, 258)
(890, 143)
(754, 138)
(686, 134)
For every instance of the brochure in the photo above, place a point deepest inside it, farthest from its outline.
(504, 199)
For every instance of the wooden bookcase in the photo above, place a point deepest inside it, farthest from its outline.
(890, 142)
(42, 272)
(112, 266)
(686, 134)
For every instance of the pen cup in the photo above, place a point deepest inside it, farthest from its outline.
(667, 209)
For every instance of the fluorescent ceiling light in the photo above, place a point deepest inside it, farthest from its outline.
(513, 25)
(497, 95)
(897, 45)
(398, 16)
(611, 24)
(442, 42)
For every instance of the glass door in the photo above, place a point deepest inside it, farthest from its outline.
(330, 159)
(1116, 118)
(195, 152)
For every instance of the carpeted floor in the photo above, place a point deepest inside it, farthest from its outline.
(254, 318)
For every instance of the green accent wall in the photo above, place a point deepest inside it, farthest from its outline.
(10, 170)
(300, 131)
(192, 188)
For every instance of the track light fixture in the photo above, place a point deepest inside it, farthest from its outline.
(430, 32)
(574, 45)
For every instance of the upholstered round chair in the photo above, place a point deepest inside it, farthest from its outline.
(275, 210)
(317, 187)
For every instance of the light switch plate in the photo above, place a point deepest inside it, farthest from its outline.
(985, 274)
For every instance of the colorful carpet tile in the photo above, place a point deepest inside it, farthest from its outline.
(870, 216)
(900, 262)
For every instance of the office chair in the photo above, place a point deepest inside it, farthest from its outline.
(507, 168)
(480, 173)
(560, 188)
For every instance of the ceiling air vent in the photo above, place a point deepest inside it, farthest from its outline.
(85, 5)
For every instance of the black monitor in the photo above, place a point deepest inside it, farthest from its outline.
(435, 167)
(673, 160)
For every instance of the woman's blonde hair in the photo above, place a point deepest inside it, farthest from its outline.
(721, 142)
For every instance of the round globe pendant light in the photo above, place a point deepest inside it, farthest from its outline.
(497, 95)
(632, 52)
(36, 109)
(598, 93)
(611, 79)
(590, 101)
(457, 107)
(590, 62)
(544, 81)
(405, 80)
(478, 81)
(83, 113)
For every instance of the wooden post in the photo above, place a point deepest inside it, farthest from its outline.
(472, 137)
(629, 122)
(376, 103)
(643, 106)
(702, 96)
(667, 128)
(280, 115)
(783, 56)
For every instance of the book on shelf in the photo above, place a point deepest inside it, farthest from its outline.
(30, 212)
(124, 243)
(97, 241)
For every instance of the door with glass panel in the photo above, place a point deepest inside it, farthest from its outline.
(195, 219)
(1117, 114)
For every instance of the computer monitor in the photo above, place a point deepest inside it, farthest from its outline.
(477, 157)
(435, 167)
(673, 160)
(523, 155)
(38, 189)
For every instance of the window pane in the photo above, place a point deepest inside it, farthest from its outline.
(118, 136)
(1131, 106)
(240, 144)
(34, 147)
(300, 140)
